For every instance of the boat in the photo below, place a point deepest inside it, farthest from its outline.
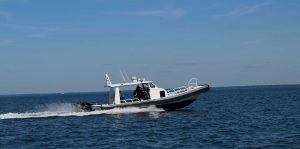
(147, 94)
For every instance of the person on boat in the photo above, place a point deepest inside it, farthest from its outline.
(137, 92)
(145, 94)
(145, 91)
(122, 97)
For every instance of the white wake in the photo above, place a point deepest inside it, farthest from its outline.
(66, 109)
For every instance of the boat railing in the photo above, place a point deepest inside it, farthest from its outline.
(175, 91)
(192, 84)
(130, 100)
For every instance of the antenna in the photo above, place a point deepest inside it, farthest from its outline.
(108, 82)
(126, 76)
(122, 76)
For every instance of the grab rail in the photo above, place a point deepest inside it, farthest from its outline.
(193, 82)
(177, 90)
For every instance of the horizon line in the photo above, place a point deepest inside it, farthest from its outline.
(78, 92)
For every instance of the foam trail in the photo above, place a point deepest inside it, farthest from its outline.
(57, 107)
(58, 110)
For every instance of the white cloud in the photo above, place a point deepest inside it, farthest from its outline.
(169, 13)
(246, 10)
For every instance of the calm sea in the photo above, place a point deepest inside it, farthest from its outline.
(233, 117)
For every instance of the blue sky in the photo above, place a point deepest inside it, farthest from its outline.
(67, 46)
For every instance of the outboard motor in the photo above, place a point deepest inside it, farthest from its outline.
(85, 106)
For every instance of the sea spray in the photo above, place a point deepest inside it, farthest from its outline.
(68, 109)
(57, 107)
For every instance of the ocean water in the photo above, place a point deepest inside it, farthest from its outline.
(233, 117)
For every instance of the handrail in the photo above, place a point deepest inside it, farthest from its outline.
(131, 100)
(177, 90)
(193, 82)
